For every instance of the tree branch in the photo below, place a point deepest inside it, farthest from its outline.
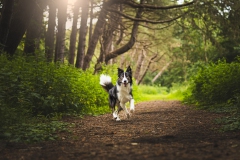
(145, 20)
(137, 5)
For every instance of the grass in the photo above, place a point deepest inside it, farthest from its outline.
(151, 93)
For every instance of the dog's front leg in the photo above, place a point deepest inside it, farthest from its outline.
(132, 108)
(125, 110)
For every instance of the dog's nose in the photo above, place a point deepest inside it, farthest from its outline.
(125, 81)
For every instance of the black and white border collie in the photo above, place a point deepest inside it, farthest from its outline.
(119, 94)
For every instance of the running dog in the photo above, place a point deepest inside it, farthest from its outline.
(119, 94)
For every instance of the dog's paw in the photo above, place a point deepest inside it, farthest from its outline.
(118, 119)
(115, 116)
(132, 110)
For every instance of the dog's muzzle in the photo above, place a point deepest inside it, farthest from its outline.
(125, 83)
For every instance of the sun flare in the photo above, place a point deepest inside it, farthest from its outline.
(71, 2)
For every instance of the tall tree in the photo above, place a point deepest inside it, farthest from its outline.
(106, 39)
(139, 66)
(61, 30)
(96, 34)
(91, 21)
(73, 36)
(49, 38)
(131, 41)
(5, 19)
(215, 25)
(160, 72)
(82, 34)
(23, 12)
(139, 7)
(34, 30)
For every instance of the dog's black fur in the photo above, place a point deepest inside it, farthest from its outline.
(121, 93)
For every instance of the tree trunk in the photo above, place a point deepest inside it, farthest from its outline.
(6, 16)
(160, 72)
(90, 23)
(120, 32)
(82, 34)
(95, 37)
(49, 39)
(73, 37)
(107, 36)
(147, 68)
(60, 40)
(34, 31)
(139, 66)
(22, 15)
(130, 43)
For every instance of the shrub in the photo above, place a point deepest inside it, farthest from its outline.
(47, 88)
(216, 83)
(30, 88)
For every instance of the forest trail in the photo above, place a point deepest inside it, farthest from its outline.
(156, 130)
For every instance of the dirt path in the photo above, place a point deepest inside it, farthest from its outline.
(157, 130)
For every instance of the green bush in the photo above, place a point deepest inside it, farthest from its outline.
(47, 88)
(31, 88)
(216, 83)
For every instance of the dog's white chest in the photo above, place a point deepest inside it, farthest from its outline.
(123, 94)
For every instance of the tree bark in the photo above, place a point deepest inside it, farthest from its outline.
(130, 43)
(147, 68)
(90, 23)
(73, 36)
(139, 66)
(34, 31)
(120, 32)
(160, 72)
(49, 39)
(6, 16)
(107, 36)
(60, 41)
(82, 34)
(95, 37)
(19, 23)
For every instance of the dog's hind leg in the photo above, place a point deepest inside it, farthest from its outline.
(112, 104)
(116, 113)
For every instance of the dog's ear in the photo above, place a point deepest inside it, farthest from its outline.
(129, 70)
(120, 71)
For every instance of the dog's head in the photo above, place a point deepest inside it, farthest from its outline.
(124, 78)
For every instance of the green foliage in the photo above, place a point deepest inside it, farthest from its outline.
(216, 87)
(176, 92)
(152, 90)
(35, 132)
(47, 88)
(230, 123)
(30, 88)
(216, 83)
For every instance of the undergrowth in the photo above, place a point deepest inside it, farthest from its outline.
(31, 90)
(216, 88)
(149, 93)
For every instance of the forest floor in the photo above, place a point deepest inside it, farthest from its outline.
(156, 130)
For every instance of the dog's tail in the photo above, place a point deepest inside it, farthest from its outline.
(106, 82)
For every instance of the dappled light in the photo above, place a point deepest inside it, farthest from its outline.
(183, 88)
